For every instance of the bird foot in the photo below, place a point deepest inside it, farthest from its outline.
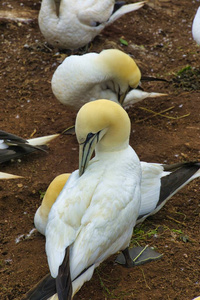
(139, 256)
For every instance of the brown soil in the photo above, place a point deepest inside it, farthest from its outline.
(159, 38)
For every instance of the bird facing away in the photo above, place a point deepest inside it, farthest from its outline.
(111, 74)
(73, 24)
(196, 27)
(13, 146)
(159, 183)
(94, 215)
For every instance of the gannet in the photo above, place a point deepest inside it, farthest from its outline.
(94, 215)
(111, 74)
(159, 183)
(196, 27)
(13, 146)
(73, 24)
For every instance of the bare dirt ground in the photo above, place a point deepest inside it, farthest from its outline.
(159, 38)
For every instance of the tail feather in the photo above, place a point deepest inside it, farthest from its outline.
(63, 280)
(11, 137)
(42, 290)
(13, 147)
(117, 5)
(181, 174)
(124, 10)
(14, 152)
(173, 182)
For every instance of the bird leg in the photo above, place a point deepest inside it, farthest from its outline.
(137, 256)
(129, 262)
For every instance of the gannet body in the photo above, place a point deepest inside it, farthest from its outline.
(94, 215)
(73, 24)
(196, 27)
(111, 74)
(159, 183)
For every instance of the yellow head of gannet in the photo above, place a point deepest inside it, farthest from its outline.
(89, 134)
(94, 215)
(52, 193)
(123, 69)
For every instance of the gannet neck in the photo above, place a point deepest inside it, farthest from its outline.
(119, 67)
(107, 119)
(48, 10)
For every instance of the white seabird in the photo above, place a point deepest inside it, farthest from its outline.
(94, 215)
(69, 24)
(111, 74)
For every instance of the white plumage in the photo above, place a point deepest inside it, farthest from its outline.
(95, 213)
(111, 74)
(73, 24)
(196, 27)
(155, 190)
(160, 182)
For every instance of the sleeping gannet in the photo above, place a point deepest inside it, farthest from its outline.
(13, 146)
(94, 215)
(111, 74)
(73, 24)
(196, 27)
(159, 183)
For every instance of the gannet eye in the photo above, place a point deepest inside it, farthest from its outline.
(94, 24)
(89, 136)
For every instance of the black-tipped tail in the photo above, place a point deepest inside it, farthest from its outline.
(172, 183)
(63, 280)
(43, 290)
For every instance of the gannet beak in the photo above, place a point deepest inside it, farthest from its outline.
(86, 150)
(123, 96)
(9, 176)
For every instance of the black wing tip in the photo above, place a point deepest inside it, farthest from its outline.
(63, 280)
(176, 166)
(43, 290)
(151, 78)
